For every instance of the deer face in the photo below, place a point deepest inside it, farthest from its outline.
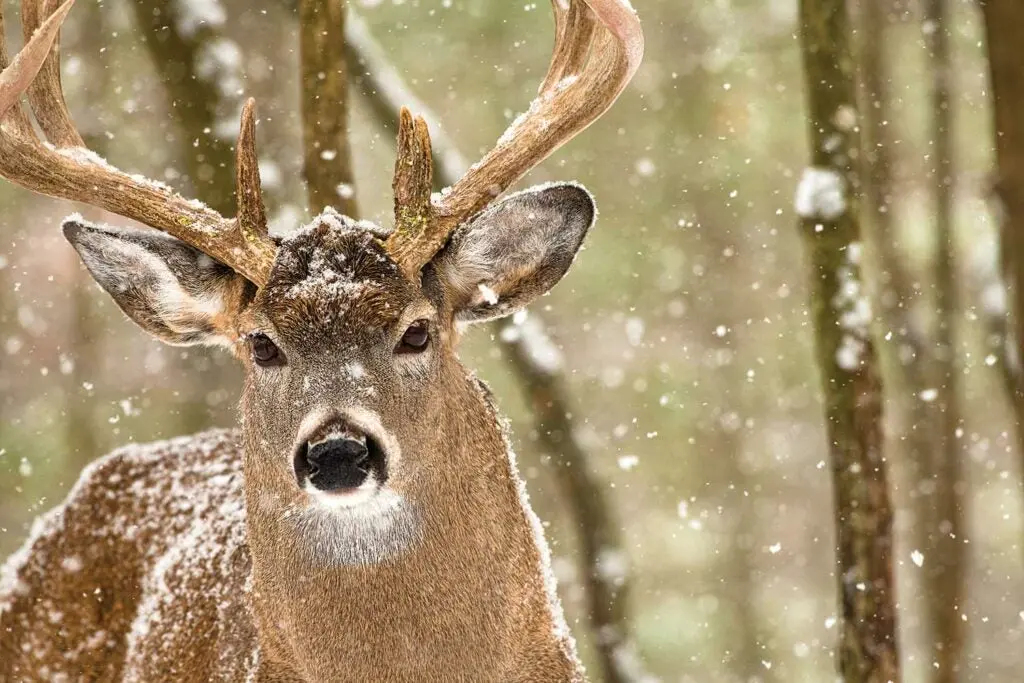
(351, 365)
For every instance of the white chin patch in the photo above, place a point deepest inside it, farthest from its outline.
(363, 526)
(364, 494)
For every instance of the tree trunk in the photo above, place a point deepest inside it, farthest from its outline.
(946, 561)
(195, 65)
(851, 386)
(325, 111)
(537, 369)
(1003, 19)
(80, 427)
(933, 450)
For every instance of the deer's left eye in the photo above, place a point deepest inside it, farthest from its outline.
(265, 352)
(415, 339)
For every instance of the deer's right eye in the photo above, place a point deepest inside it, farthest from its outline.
(415, 338)
(265, 352)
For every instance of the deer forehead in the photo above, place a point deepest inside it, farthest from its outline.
(334, 278)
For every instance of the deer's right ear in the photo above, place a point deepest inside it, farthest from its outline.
(172, 290)
(515, 251)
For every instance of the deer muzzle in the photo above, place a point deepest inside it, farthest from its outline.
(338, 458)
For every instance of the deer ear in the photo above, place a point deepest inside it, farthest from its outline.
(172, 290)
(515, 251)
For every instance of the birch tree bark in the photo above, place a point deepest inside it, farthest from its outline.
(850, 382)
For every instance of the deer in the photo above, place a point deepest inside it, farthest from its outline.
(366, 520)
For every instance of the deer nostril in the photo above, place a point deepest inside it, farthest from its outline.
(348, 450)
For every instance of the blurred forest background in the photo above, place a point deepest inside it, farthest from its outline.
(683, 332)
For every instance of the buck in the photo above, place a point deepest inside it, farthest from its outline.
(367, 522)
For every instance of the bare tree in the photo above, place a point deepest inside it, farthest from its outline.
(1003, 19)
(725, 433)
(926, 358)
(325, 111)
(537, 368)
(193, 60)
(851, 385)
(7, 399)
(946, 563)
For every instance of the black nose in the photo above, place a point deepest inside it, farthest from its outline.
(334, 463)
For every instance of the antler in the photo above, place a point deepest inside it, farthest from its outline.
(598, 48)
(63, 168)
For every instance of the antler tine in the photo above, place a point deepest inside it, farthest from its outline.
(569, 55)
(415, 230)
(45, 94)
(67, 170)
(252, 215)
(17, 75)
(598, 47)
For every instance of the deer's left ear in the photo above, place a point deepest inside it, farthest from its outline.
(515, 251)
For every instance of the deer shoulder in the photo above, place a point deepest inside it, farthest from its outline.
(144, 561)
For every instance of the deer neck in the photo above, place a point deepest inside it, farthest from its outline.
(473, 579)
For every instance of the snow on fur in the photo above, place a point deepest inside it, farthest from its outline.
(176, 510)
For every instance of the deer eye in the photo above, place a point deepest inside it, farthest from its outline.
(415, 339)
(265, 352)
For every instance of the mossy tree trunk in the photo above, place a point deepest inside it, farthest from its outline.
(945, 561)
(1003, 19)
(325, 112)
(851, 385)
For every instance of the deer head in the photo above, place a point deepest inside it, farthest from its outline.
(347, 331)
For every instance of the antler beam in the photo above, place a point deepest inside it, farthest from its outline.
(63, 168)
(598, 47)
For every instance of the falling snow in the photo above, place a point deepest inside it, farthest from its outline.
(194, 14)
